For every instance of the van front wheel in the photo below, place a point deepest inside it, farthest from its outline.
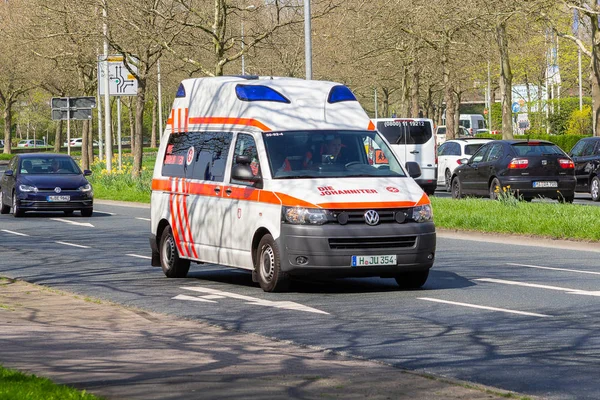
(172, 265)
(412, 280)
(268, 266)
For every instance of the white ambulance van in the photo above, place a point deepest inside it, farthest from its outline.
(413, 139)
(285, 177)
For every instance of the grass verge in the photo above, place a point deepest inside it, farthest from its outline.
(16, 385)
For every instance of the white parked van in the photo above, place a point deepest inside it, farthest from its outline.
(412, 139)
(472, 122)
(284, 177)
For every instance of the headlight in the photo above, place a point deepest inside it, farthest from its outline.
(422, 213)
(27, 188)
(309, 216)
(85, 188)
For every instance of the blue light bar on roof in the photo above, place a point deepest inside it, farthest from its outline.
(259, 93)
(340, 93)
(180, 91)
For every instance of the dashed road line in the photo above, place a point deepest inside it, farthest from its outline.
(73, 245)
(554, 268)
(138, 256)
(538, 286)
(143, 219)
(13, 232)
(68, 221)
(505, 310)
(104, 212)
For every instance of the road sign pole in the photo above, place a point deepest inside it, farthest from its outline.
(119, 132)
(68, 131)
(100, 141)
(107, 121)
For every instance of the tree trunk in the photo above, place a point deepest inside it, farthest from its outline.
(136, 171)
(457, 116)
(85, 160)
(505, 81)
(131, 124)
(7, 128)
(414, 93)
(404, 94)
(386, 102)
(154, 124)
(448, 96)
(58, 136)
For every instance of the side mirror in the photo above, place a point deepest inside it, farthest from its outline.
(413, 168)
(8, 172)
(243, 160)
(87, 172)
(243, 172)
(463, 161)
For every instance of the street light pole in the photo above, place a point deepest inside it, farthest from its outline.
(307, 40)
(107, 122)
(249, 8)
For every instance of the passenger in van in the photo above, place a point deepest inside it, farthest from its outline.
(329, 154)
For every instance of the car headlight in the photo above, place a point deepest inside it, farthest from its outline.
(422, 213)
(85, 188)
(28, 189)
(308, 216)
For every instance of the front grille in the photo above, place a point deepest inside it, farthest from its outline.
(372, 242)
(386, 216)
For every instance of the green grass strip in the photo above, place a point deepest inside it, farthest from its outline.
(16, 385)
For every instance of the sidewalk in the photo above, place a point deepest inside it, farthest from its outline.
(124, 353)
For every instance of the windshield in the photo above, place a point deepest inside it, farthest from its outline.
(48, 165)
(331, 154)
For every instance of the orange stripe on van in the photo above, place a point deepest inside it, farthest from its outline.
(424, 200)
(371, 126)
(179, 120)
(229, 121)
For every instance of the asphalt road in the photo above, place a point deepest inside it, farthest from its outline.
(521, 317)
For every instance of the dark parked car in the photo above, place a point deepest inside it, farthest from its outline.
(586, 156)
(530, 168)
(45, 182)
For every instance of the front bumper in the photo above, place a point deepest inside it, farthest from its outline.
(328, 249)
(524, 186)
(39, 201)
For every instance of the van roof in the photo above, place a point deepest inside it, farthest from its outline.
(266, 104)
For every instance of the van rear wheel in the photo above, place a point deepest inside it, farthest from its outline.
(268, 266)
(172, 265)
(412, 280)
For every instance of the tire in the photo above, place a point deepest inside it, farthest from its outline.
(456, 188)
(595, 189)
(268, 266)
(448, 181)
(87, 212)
(495, 184)
(429, 191)
(412, 280)
(68, 213)
(172, 265)
(567, 199)
(16, 210)
(4, 209)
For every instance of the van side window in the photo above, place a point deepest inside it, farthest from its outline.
(175, 163)
(246, 146)
(211, 150)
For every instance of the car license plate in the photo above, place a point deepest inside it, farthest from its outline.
(545, 184)
(363, 261)
(59, 198)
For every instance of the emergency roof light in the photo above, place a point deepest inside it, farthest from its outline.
(259, 93)
(340, 93)
(180, 91)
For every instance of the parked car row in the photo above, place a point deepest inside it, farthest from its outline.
(77, 142)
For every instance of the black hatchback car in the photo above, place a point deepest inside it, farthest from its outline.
(529, 168)
(586, 156)
(45, 182)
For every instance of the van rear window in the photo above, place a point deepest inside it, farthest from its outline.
(405, 132)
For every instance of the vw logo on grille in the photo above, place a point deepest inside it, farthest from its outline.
(57, 189)
(371, 217)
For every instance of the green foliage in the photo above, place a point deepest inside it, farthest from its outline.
(565, 142)
(560, 114)
(580, 122)
(16, 385)
(549, 219)
(119, 184)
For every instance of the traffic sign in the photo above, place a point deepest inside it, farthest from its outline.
(516, 107)
(77, 114)
(121, 81)
(73, 102)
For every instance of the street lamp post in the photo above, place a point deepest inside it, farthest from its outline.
(307, 40)
(249, 8)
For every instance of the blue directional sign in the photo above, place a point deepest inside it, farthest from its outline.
(516, 107)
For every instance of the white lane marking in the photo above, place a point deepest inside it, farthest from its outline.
(506, 310)
(74, 245)
(86, 224)
(288, 305)
(13, 232)
(104, 212)
(138, 256)
(555, 269)
(143, 219)
(191, 298)
(537, 286)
